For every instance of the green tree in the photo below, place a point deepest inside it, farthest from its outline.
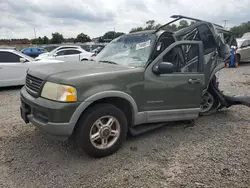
(82, 38)
(39, 40)
(238, 31)
(137, 29)
(57, 38)
(150, 25)
(110, 35)
(183, 24)
(192, 22)
(70, 40)
(45, 40)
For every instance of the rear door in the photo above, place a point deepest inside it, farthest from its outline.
(177, 95)
(72, 55)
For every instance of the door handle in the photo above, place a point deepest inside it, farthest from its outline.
(194, 81)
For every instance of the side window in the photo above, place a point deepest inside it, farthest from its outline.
(185, 58)
(61, 53)
(248, 42)
(72, 52)
(8, 57)
(62, 48)
(207, 38)
(244, 44)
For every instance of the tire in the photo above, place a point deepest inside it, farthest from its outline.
(87, 126)
(215, 104)
(237, 56)
(84, 60)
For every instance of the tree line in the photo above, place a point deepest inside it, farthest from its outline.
(57, 38)
(238, 31)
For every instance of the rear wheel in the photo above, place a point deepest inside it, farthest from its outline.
(101, 130)
(209, 104)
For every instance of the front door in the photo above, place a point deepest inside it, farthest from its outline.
(177, 95)
(245, 51)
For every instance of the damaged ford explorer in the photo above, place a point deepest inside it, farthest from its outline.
(138, 82)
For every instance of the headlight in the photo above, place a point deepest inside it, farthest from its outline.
(59, 92)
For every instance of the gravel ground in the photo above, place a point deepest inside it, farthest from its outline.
(215, 152)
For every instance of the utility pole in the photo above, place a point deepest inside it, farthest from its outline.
(225, 23)
(35, 32)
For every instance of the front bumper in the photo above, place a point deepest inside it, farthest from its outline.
(51, 117)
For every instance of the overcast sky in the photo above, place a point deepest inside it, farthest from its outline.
(18, 18)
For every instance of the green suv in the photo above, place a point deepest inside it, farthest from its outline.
(138, 82)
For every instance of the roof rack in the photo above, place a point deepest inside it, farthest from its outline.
(178, 17)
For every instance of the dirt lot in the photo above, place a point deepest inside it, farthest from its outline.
(215, 152)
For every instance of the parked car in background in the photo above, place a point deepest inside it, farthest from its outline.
(14, 65)
(246, 35)
(243, 50)
(98, 49)
(33, 51)
(77, 54)
(49, 48)
(8, 47)
(51, 53)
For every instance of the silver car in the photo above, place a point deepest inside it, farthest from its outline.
(243, 51)
(14, 65)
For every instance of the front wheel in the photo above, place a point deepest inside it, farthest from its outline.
(101, 130)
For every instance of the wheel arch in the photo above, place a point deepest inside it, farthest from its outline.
(127, 104)
(238, 54)
(215, 70)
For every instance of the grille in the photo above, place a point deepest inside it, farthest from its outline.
(33, 84)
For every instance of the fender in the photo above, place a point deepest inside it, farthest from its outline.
(101, 95)
(216, 69)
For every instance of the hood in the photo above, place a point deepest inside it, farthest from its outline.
(44, 54)
(74, 70)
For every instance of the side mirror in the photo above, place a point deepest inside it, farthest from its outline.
(22, 60)
(164, 68)
(55, 54)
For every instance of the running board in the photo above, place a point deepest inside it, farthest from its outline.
(143, 128)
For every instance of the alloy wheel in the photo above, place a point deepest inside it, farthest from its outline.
(105, 132)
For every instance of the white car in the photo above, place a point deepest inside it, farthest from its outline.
(14, 65)
(56, 50)
(71, 55)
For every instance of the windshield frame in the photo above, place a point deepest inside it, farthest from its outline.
(154, 38)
